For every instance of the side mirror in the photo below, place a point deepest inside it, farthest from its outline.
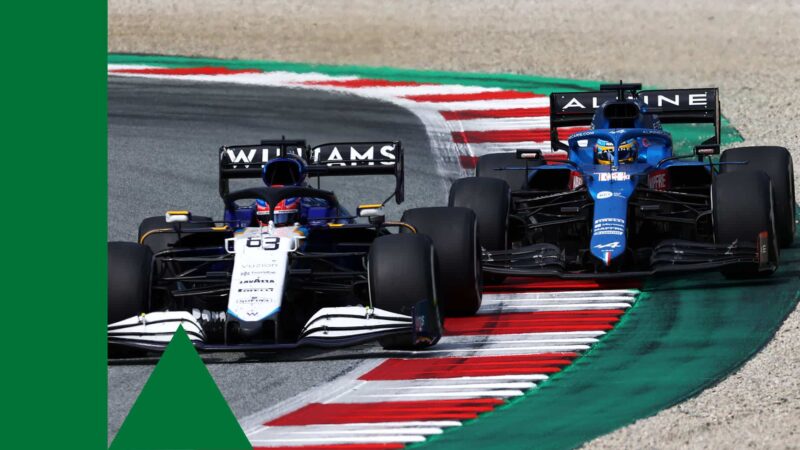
(706, 149)
(372, 211)
(178, 216)
(533, 154)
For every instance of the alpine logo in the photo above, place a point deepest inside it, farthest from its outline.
(611, 245)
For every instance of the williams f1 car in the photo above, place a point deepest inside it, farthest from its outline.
(622, 203)
(289, 266)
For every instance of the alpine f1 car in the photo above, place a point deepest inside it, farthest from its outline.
(289, 266)
(622, 203)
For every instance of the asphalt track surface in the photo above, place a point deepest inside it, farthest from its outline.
(163, 138)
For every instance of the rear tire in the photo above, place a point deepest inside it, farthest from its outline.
(454, 232)
(130, 267)
(742, 207)
(162, 241)
(516, 179)
(777, 163)
(401, 274)
(490, 200)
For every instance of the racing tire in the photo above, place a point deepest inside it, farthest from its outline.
(516, 179)
(742, 207)
(401, 274)
(162, 241)
(777, 163)
(490, 200)
(130, 267)
(454, 232)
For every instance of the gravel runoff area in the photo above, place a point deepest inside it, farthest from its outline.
(747, 48)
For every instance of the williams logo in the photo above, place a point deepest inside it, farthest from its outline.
(354, 155)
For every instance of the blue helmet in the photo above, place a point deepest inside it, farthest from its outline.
(288, 170)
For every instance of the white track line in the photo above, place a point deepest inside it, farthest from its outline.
(401, 91)
(629, 293)
(536, 102)
(496, 308)
(331, 439)
(443, 384)
(514, 123)
(459, 350)
(285, 79)
(520, 339)
(316, 431)
(397, 396)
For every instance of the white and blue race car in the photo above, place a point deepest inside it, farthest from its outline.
(289, 266)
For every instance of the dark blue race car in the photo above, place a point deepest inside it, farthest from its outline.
(622, 203)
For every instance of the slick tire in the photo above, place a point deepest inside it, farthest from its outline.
(401, 274)
(454, 232)
(488, 164)
(742, 207)
(162, 241)
(490, 200)
(129, 277)
(777, 163)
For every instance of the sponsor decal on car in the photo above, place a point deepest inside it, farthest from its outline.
(332, 155)
(658, 180)
(612, 176)
(609, 226)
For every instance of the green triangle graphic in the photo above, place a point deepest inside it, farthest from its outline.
(180, 407)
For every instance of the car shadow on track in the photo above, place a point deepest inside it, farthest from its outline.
(360, 352)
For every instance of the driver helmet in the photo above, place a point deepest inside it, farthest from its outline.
(287, 170)
(287, 212)
(604, 151)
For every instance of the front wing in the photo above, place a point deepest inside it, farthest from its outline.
(669, 256)
(329, 327)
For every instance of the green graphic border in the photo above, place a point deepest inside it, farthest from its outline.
(54, 209)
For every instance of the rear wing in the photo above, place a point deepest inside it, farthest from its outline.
(332, 159)
(569, 109)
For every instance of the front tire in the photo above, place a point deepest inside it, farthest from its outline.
(777, 163)
(130, 268)
(401, 274)
(742, 208)
(454, 232)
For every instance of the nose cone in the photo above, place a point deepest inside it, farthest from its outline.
(608, 229)
(607, 250)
